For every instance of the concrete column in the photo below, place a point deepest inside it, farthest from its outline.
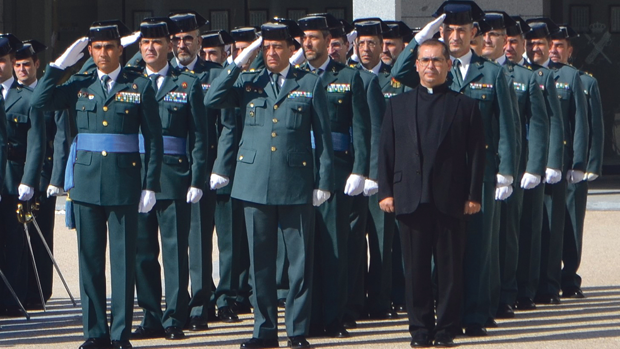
(384, 9)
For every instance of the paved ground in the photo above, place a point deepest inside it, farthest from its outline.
(593, 322)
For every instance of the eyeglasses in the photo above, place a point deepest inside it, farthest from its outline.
(435, 60)
(187, 40)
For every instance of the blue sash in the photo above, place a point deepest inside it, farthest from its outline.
(340, 141)
(172, 145)
(98, 142)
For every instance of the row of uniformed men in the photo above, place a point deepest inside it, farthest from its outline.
(353, 168)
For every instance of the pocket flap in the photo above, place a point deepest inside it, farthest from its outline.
(246, 155)
(87, 105)
(299, 159)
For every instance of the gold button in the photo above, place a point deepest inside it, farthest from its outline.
(175, 108)
(484, 96)
(564, 142)
(559, 97)
(49, 158)
(105, 108)
(275, 107)
(105, 123)
(251, 105)
(299, 108)
(304, 163)
(486, 146)
(273, 149)
(240, 157)
(273, 134)
(340, 101)
(126, 111)
(411, 50)
(84, 108)
(104, 153)
(252, 114)
(275, 121)
(228, 71)
(212, 146)
(346, 152)
(133, 164)
(180, 160)
(15, 119)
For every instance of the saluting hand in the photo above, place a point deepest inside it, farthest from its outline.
(72, 55)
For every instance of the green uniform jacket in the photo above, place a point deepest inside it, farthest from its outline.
(376, 106)
(546, 81)
(534, 120)
(597, 126)
(182, 118)
(349, 115)
(26, 139)
(56, 149)
(575, 112)
(107, 179)
(274, 162)
(487, 83)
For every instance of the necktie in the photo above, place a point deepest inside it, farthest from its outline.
(154, 78)
(276, 84)
(2, 91)
(104, 84)
(456, 71)
(318, 71)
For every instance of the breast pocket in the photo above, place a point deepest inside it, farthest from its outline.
(298, 112)
(255, 112)
(563, 94)
(172, 111)
(128, 115)
(20, 121)
(338, 102)
(85, 109)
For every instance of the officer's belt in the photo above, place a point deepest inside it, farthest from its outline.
(172, 145)
(98, 142)
(340, 141)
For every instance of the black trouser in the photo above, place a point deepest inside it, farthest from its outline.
(424, 234)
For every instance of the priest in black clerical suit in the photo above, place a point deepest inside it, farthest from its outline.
(431, 163)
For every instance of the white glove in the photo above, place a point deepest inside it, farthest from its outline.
(217, 181)
(297, 58)
(503, 193)
(320, 196)
(552, 176)
(72, 55)
(370, 187)
(530, 181)
(430, 29)
(503, 189)
(147, 201)
(54, 191)
(193, 195)
(230, 60)
(130, 39)
(355, 185)
(245, 55)
(574, 176)
(25, 192)
(351, 37)
(354, 58)
(590, 176)
(0, 198)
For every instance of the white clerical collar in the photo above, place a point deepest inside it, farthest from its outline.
(162, 72)
(501, 60)
(190, 66)
(323, 66)
(113, 75)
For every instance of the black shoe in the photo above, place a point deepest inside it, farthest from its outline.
(491, 323)
(298, 342)
(121, 345)
(525, 303)
(383, 315)
(196, 323)
(147, 333)
(573, 293)
(211, 315)
(421, 340)
(399, 308)
(475, 331)
(547, 299)
(227, 314)
(174, 333)
(444, 340)
(259, 343)
(504, 312)
(242, 308)
(316, 331)
(96, 343)
(336, 331)
(282, 303)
